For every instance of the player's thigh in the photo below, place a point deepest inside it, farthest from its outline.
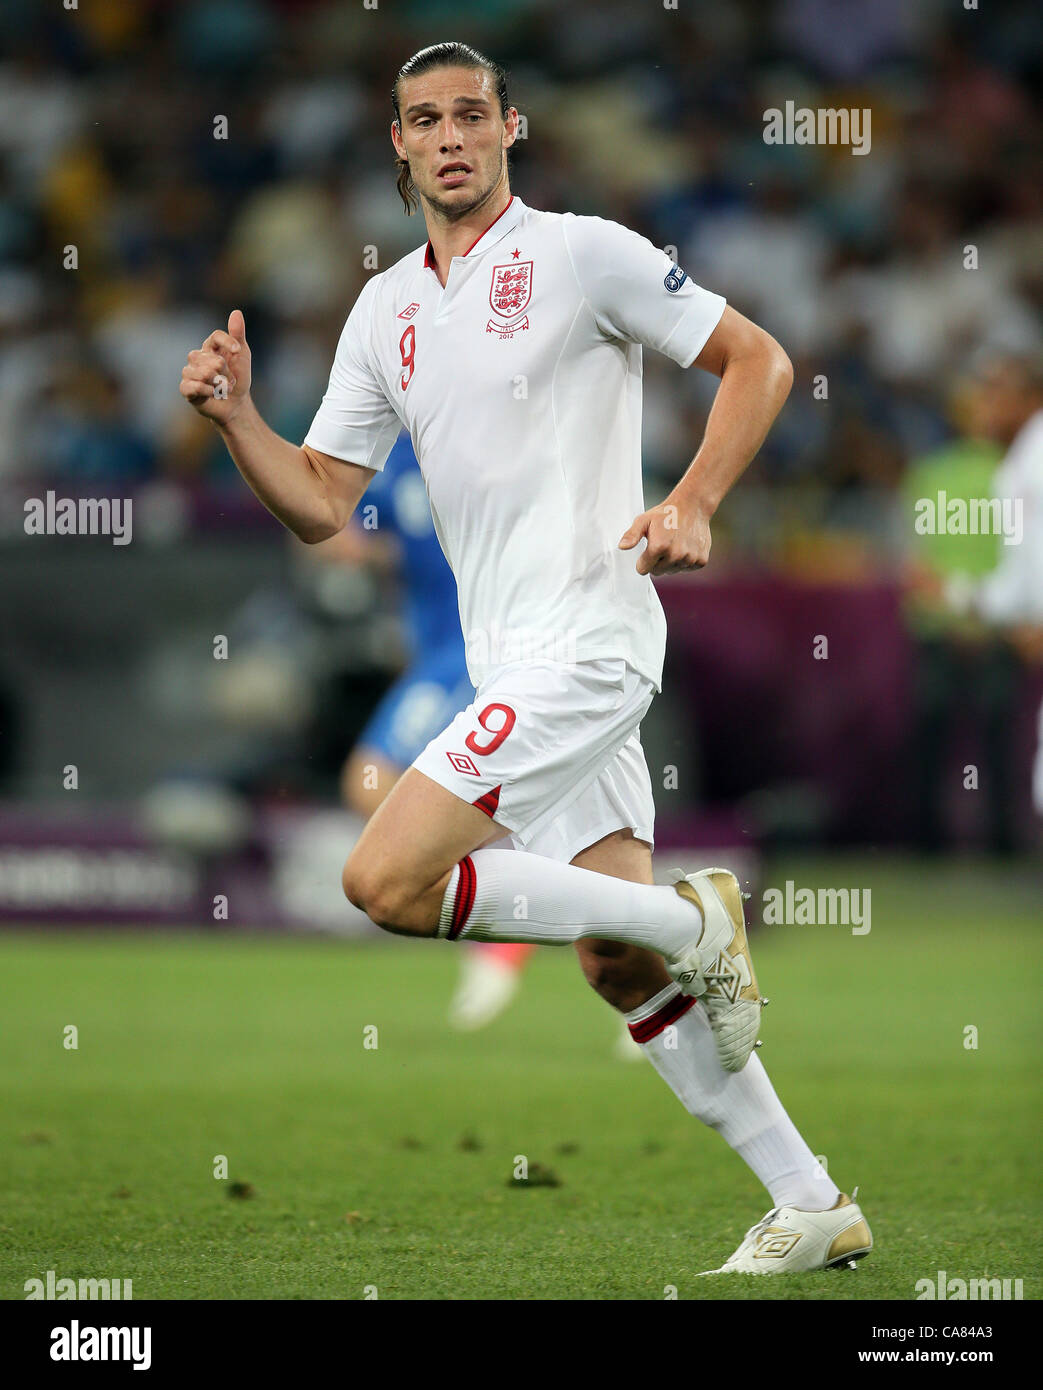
(613, 963)
(619, 854)
(415, 836)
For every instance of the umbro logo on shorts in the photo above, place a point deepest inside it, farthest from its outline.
(463, 763)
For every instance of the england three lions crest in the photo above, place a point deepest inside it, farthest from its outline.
(509, 296)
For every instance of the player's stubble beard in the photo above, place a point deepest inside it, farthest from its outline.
(453, 212)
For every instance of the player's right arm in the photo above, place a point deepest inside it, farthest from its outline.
(312, 493)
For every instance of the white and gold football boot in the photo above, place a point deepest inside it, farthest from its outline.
(790, 1241)
(717, 968)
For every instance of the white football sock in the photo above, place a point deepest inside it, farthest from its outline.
(504, 895)
(741, 1106)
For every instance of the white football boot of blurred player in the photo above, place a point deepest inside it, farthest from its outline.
(789, 1241)
(717, 967)
(489, 980)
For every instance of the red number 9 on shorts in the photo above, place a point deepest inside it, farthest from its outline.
(498, 735)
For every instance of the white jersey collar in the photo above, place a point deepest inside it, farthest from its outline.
(497, 229)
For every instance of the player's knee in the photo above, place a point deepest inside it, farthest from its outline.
(360, 889)
(378, 898)
(351, 879)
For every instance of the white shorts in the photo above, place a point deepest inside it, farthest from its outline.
(551, 752)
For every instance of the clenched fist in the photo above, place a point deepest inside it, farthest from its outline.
(677, 538)
(216, 377)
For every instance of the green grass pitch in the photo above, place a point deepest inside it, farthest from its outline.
(390, 1167)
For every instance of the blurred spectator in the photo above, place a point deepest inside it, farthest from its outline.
(82, 433)
(142, 340)
(1011, 596)
(960, 666)
(1012, 416)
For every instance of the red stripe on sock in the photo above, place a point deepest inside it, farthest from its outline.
(464, 900)
(671, 1011)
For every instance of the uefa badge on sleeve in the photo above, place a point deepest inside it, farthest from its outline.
(675, 278)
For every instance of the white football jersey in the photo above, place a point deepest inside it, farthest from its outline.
(520, 385)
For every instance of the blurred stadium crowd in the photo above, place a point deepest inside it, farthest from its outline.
(132, 221)
(650, 116)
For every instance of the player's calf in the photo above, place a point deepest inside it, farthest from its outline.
(625, 976)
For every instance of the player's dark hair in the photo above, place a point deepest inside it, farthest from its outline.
(441, 55)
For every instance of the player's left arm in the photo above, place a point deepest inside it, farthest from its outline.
(756, 376)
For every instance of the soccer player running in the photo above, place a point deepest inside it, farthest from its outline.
(423, 699)
(510, 348)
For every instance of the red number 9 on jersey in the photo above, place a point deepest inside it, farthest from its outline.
(408, 337)
(498, 735)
